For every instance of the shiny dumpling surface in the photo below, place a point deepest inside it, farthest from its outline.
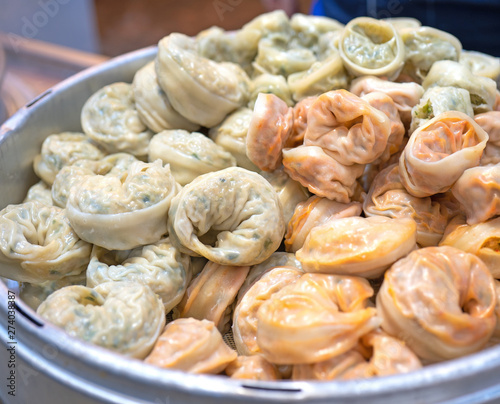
(441, 301)
(110, 118)
(37, 243)
(200, 89)
(195, 346)
(126, 317)
(231, 217)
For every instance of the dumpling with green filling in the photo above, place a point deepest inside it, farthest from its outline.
(449, 73)
(61, 150)
(37, 243)
(437, 100)
(426, 45)
(200, 89)
(121, 213)
(126, 317)
(231, 134)
(153, 105)
(110, 118)
(188, 154)
(231, 217)
(371, 47)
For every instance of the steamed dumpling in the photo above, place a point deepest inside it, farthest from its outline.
(110, 118)
(126, 317)
(188, 154)
(231, 217)
(200, 89)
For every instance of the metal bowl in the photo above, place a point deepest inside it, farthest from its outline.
(52, 367)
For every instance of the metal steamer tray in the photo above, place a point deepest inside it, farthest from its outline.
(51, 367)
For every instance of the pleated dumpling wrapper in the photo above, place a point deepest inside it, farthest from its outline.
(153, 106)
(211, 295)
(481, 239)
(62, 149)
(378, 354)
(37, 243)
(439, 151)
(371, 47)
(109, 118)
(123, 212)
(194, 346)
(160, 266)
(189, 154)
(478, 191)
(440, 301)
(245, 313)
(231, 217)
(359, 246)
(201, 90)
(315, 318)
(126, 317)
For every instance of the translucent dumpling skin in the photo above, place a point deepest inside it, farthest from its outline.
(441, 301)
(357, 246)
(120, 213)
(439, 151)
(37, 243)
(201, 90)
(315, 318)
(126, 317)
(231, 217)
(194, 346)
(347, 127)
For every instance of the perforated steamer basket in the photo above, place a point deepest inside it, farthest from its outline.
(52, 367)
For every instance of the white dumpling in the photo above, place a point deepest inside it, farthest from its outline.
(153, 105)
(231, 217)
(449, 73)
(426, 45)
(38, 244)
(322, 76)
(109, 117)
(371, 47)
(160, 266)
(63, 149)
(39, 192)
(113, 164)
(481, 64)
(188, 154)
(126, 317)
(120, 213)
(309, 28)
(33, 294)
(278, 55)
(200, 89)
(231, 134)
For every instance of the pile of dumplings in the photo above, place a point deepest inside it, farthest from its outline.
(301, 199)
